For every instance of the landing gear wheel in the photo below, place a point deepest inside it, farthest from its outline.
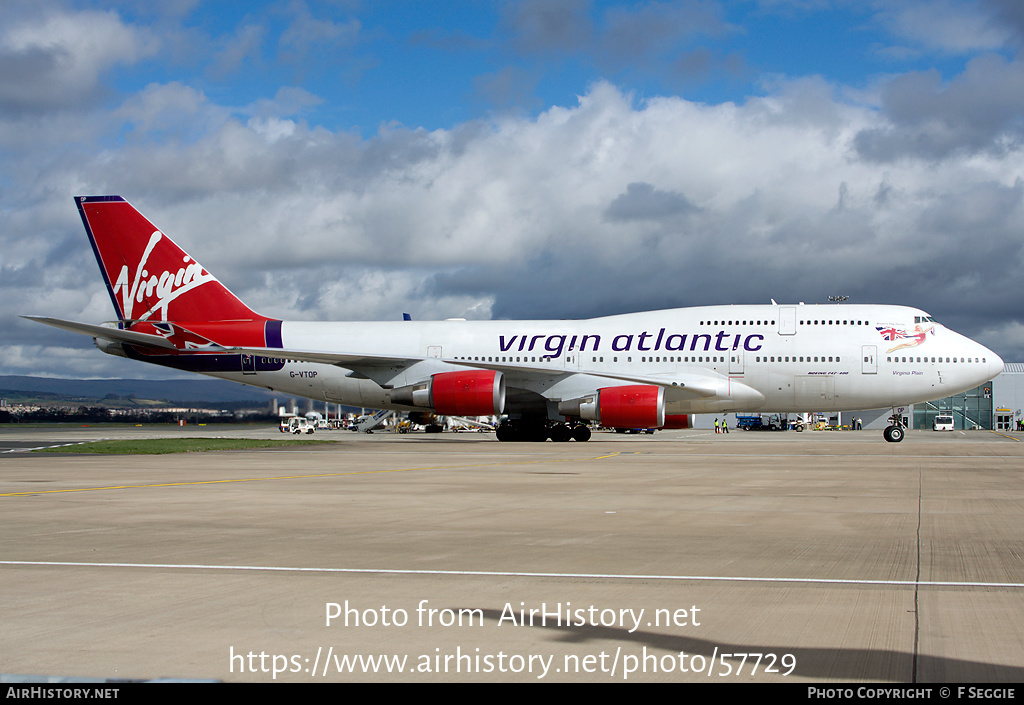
(893, 434)
(581, 434)
(537, 433)
(560, 433)
(519, 431)
(506, 433)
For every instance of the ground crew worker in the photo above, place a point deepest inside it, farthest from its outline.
(716, 426)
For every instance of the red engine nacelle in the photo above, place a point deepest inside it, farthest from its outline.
(677, 421)
(633, 406)
(468, 393)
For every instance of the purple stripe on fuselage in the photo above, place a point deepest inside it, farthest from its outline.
(273, 334)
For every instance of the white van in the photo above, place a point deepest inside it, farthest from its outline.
(300, 424)
(943, 422)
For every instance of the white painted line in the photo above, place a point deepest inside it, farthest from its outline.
(513, 574)
(59, 445)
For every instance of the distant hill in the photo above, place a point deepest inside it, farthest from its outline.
(171, 390)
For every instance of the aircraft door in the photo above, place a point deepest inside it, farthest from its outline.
(869, 364)
(571, 359)
(249, 364)
(736, 362)
(787, 320)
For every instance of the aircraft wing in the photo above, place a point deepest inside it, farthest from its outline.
(373, 366)
(708, 385)
(702, 385)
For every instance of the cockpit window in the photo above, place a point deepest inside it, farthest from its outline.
(924, 319)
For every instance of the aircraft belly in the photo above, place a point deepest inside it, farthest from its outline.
(814, 393)
(317, 382)
(864, 391)
(708, 406)
(276, 381)
(340, 388)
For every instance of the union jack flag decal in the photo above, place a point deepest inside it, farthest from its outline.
(910, 340)
(892, 333)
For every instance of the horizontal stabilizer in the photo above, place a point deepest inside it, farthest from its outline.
(123, 336)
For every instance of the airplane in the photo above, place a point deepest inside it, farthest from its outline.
(546, 378)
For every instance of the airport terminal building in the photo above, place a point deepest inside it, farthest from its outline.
(996, 405)
(1008, 397)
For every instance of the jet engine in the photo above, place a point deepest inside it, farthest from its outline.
(631, 406)
(677, 421)
(461, 393)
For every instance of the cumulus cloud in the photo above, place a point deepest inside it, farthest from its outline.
(622, 205)
(642, 201)
(1009, 14)
(657, 28)
(243, 44)
(55, 60)
(948, 25)
(659, 38)
(549, 26)
(170, 110)
(308, 34)
(979, 110)
(607, 204)
(510, 88)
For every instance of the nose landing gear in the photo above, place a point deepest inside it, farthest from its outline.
(894, 432)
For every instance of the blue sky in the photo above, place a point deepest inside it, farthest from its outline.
(434, 64)
(518, 159)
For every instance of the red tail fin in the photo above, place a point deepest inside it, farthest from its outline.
(150, 278)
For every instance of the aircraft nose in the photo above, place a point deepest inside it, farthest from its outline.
(994, 362)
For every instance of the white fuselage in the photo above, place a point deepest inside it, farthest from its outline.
(794, 358)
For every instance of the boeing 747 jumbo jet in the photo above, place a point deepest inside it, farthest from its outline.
(548, 378)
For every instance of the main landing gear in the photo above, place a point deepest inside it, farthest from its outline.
(530, 430)
(894, 432)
